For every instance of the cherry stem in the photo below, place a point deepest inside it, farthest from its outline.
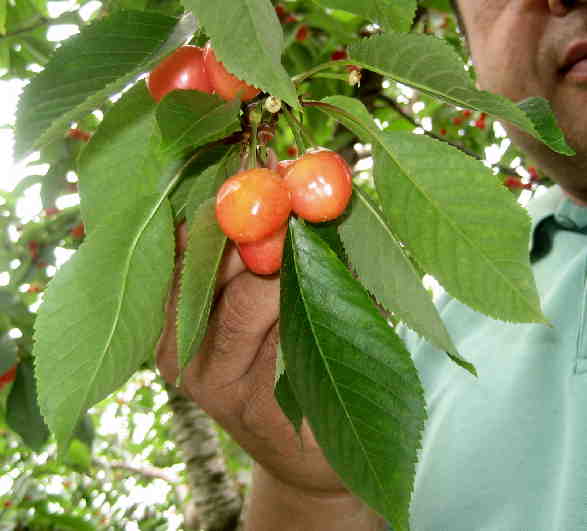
(253, 147)
(324, 66)
(302, 137)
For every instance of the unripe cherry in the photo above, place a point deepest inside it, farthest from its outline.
(265, 256)
(225, 84)
(321, 185)
(182, 70)
(252, 205)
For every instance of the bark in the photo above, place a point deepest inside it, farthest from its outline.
(216, 503)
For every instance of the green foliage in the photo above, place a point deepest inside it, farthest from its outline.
(205, 248)
(420, 207)
(428, 64)
(396, 16)
(118, 48)
(103, 313)
(351, 375)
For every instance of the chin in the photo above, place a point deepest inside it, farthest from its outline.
(569, 172)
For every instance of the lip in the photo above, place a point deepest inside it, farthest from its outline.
(572, 65)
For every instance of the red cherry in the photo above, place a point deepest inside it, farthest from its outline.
(33, 247)
(339, 55)
(290, 19)
(78, 134)
(252, 205)
(281, 11)
(302, 33)
(8, 376)
(443, 132)
(467, 113)
(265, 256)
(533, 174)
(78, 232)
(226, 85)
(457, 120)
(182, 70)
(321, 185)
(292, 151)
(35, 287)
(8, 504)
(515, 183)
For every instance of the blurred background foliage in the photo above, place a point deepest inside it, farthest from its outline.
(124, 470)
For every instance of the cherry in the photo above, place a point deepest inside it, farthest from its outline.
(78, 232)
(265, 256)
(182, 70)
(302, 33)
(78, 134)
(321, 185)
(339, 55)
(252, 205)
(515, 183)
(226, 85)
(292, 151)
(8, 376)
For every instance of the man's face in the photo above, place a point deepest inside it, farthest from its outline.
(524, 48)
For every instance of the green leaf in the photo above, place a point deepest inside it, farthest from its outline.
(247, 37)
(461, 224)
(202, 257)
(190, 119)
(8, 351)
(354, 379)
(210, 180)
(180, 196)
(429, 64)
(458, 221)
(395, 15)
(88, 68)
(284, 394)
(103, 313)
(3, 10)
(22, 410)
(122, 162)
(384, 269)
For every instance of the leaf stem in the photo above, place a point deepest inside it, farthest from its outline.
(296, 130)
(324, 66)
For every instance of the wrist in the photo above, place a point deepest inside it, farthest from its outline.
(274, 504)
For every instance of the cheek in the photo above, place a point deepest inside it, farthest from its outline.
(508, 58)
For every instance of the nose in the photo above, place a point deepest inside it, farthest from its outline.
(561, 7)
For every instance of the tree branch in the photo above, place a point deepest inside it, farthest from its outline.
(70, 17)
(147, 471)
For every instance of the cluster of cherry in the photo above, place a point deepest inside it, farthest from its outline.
(253, 206)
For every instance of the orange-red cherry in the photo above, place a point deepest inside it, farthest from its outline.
(265, 256)
(8, 376)
(252, 205)
(182, 70)
(225, 84)
(321, 185)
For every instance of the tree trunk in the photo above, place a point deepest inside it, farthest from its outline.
(215, 503)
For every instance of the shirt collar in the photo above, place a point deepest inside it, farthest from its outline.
(552, 209)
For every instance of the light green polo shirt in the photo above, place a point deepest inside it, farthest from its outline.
(508, 451)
